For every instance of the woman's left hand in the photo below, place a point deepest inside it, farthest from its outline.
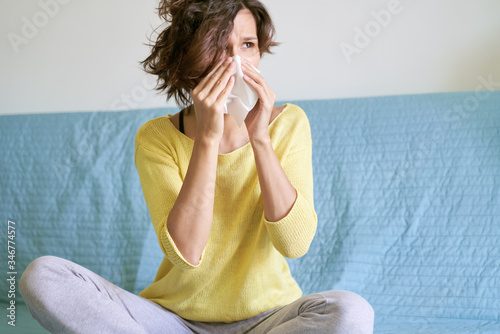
(257, 120)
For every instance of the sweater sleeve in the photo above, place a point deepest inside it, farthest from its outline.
(161, 183)
(293, 234)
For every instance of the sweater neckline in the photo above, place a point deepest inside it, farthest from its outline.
(191, 142)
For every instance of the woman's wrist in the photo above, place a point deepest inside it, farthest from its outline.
(260, 140)
(207, 142)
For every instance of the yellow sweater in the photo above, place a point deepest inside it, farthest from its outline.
(242, 271)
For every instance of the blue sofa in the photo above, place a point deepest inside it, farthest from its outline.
(407, 192)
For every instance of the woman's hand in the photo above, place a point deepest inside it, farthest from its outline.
(209, 97)
(257, 120)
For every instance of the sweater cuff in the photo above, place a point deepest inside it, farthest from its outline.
(173, 253)
(293, 234)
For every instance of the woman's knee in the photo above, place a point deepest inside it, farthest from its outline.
(36, 276)
(349, 310)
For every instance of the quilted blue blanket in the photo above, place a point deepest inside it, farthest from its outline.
(407, 192)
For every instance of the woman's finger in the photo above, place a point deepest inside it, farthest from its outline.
(204, 80)
(251, 79)
(265, 93)
(249, 66)
(214, 78)
(221, 83)
(248, 71)
(226, 91)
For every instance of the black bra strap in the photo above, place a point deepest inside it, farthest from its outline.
(181, 122)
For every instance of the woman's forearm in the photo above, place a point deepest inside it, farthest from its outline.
(278, 193)
(190, 219)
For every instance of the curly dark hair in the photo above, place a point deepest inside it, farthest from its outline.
(195, 40)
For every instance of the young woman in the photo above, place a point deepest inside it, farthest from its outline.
(228, 203)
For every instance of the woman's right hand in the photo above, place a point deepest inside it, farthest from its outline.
(209, 97)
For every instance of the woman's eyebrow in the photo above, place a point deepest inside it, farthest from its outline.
(249, 38)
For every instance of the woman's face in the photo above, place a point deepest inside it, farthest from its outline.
(243, 40)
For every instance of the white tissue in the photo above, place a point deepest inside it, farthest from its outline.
(243, 97)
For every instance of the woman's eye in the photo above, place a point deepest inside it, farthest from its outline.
(248, 45)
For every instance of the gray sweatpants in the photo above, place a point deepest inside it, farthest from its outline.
(68, 298)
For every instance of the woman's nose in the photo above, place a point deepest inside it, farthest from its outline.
(231, 52)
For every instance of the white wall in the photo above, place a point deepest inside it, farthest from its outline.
(83, 55)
